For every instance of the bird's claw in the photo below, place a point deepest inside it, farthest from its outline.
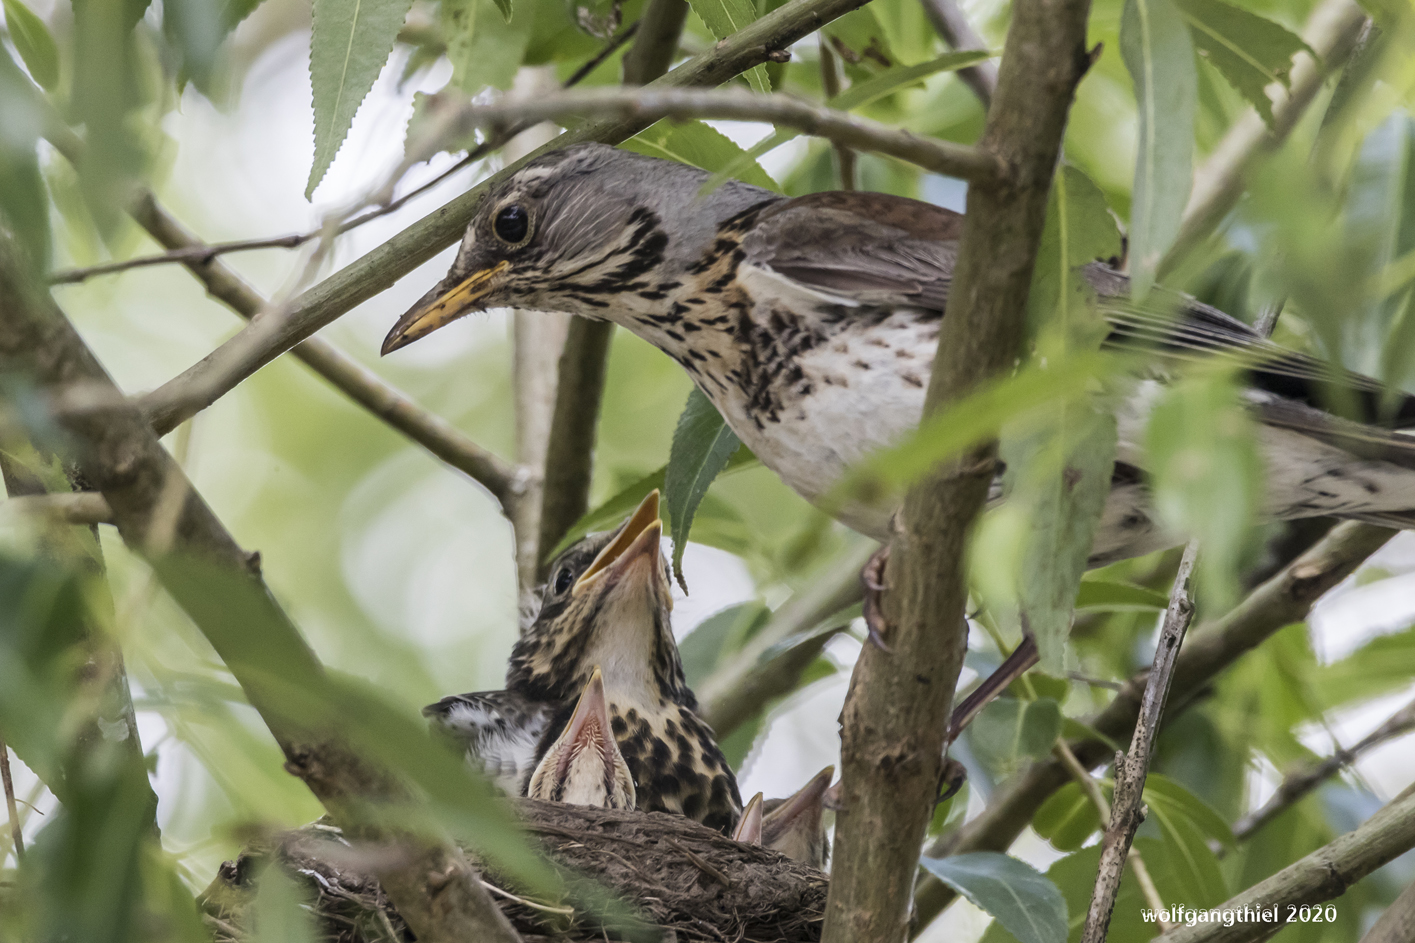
(872, 576)
(951, 779)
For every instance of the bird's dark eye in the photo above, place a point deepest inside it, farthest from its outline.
(512, 224)
(562, 580)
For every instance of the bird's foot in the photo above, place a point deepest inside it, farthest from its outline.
(872, 576)
(951, 779)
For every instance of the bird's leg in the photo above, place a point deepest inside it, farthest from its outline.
(872, 576)
(1024, 656)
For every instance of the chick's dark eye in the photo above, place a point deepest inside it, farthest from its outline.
(562, 579)
(512, 224)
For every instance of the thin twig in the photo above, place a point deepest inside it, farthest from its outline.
(1300, 782)
(610, 48)
(17, 835)
(1132, 767)
(680, 104)
(1092, 789)
(197, 253)
(953, 28)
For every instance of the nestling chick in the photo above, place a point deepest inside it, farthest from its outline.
(584, 766)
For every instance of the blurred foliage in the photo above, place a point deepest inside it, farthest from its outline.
(399, 572)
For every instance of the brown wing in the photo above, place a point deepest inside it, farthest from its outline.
(870, 247)
(880, 249)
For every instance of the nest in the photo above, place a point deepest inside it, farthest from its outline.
(675, 881)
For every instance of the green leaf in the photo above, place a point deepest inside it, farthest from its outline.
(1024, 901)
(349, 44)
(702, 446)
(702, 649)
(1187, 852)
(1010, 731)
(1069, 467)
(1154, 43)
(1251, 52)
(1207, 475)
(34, 44)
(1068, 818)
(1164, 793)
(700, 145)
(24, 200)
(484, 47)
(279, 911)
(1110, 596)
(614, 509)
(725, 17)
(195, 28)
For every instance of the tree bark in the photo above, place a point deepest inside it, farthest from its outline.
(896, 713)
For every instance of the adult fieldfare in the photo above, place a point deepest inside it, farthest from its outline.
(607, 606)
(811, 324)
(584, 766)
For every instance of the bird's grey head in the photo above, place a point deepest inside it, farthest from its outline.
(573, 231)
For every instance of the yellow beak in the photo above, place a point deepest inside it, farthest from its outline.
(430, 314)
(637, 540)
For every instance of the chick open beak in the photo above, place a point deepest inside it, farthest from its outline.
(590, 722)
(443, 305)
(749, 827)
(808, 801)
(636, 543)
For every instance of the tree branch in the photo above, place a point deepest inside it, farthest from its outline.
(569, 456)
(219, 372)
(896, 715)
(1132, 768)
(1300, 782)
(1284, 599)
(1321, 876)
(1332, 31)
(680, 104)
(504, 480)
(117, 452)
(655, 45)
(953, 28)
(769, 665)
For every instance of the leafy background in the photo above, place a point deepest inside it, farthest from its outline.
(400, 572)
